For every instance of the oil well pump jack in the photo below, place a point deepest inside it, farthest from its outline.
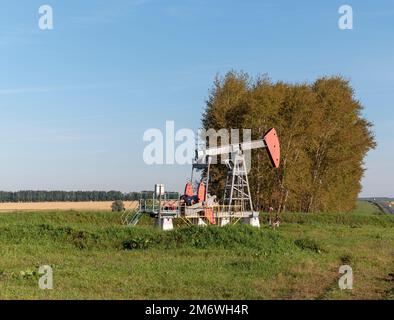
(202, 208)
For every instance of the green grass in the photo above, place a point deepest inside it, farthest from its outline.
(94, 257)
(367, 208)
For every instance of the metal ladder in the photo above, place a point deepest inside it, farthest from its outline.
(132, 218)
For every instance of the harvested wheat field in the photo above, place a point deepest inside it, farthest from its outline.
(82, 206)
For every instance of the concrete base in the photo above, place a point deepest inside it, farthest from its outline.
(253, 221)
(224, 221)
(165, 223)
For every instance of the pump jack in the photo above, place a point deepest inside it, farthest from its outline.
(202, 208)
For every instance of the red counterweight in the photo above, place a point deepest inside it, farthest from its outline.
(201, 192)
(273, 147)
(189, 190)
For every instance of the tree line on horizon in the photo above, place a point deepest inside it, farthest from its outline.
(323, 134)
(74, 196)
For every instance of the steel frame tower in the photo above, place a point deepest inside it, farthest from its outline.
(237, 190)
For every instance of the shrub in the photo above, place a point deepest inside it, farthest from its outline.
(136, 243)
(308, 244)
(117, 206)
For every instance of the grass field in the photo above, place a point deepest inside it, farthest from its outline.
(94, 257)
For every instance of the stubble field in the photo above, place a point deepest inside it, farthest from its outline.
(79, 206)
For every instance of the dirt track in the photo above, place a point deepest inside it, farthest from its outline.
(82, 206)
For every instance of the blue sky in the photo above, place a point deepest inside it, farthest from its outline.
(75, 101)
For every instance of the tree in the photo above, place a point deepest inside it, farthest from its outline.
(324, 139)
(41, 196)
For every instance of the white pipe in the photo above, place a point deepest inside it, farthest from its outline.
(231, 148)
